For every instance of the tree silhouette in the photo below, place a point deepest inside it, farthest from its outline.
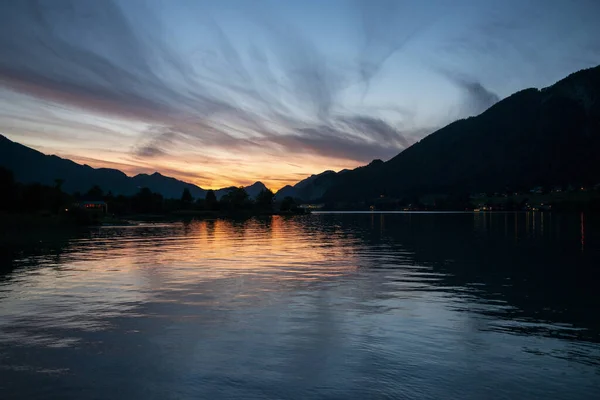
(58, 195)
(236, 199)
(32, 197)
(186, 197)
(8, 189)
(287, 204)
(95, 193)
(210, 200)
(264, 200)
(147, 202)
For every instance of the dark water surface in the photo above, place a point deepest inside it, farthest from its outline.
(338, 306)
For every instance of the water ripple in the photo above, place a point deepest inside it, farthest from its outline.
(338, 306)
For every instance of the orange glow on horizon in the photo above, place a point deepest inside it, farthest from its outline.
(218, 177)
(103, 140)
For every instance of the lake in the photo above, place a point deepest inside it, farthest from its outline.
(336, 306)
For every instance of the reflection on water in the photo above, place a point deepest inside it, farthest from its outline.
(399, 305)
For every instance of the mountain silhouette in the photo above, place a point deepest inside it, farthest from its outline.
(311, 188)
(167, 186)
(31, 166)
(252, 190)
(532, 138)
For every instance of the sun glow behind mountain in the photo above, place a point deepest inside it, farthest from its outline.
(233, 92)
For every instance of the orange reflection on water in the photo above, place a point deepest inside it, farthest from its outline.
(124, 270)
(214, 249)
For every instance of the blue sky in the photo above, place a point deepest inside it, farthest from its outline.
(230, 92)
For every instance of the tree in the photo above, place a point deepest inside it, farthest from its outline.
(236, 199)
(32, 197)
(58, 182)
(58, 195)
(264, 200)
(147, 202)
(95, 193)
(186, 197)
(210, 200)
(287, 204)
(8, 189)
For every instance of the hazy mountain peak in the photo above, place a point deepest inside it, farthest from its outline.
(257, 184)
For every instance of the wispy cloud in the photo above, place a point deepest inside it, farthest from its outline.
(284, 96)
(256, 86)
(477, 98)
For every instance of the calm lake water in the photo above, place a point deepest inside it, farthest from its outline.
(337, 306)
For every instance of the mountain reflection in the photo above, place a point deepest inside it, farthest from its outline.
(528, 259)
(307, 286)
(531, 262)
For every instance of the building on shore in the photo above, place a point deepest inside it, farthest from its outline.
(99, 207)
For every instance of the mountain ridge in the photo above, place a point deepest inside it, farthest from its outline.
(534, 137)
(547, 136)
(308, 189)
(32, 166)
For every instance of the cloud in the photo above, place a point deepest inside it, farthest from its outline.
(88, 53)
(155, 143)
(209, 86)
(388, 26)
(477, 98)
(323, 142)
(93, 55)
(149, 151)
(360, 138)
(378, 129)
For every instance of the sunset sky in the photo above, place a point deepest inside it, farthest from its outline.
(230, 92)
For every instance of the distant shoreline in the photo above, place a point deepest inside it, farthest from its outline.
(17, 224)
(20, 221)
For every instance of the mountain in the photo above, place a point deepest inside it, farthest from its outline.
(32, 166)
(252, 190)
(167, 186)
(311, 188)
(286, 191)
(534, 137)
